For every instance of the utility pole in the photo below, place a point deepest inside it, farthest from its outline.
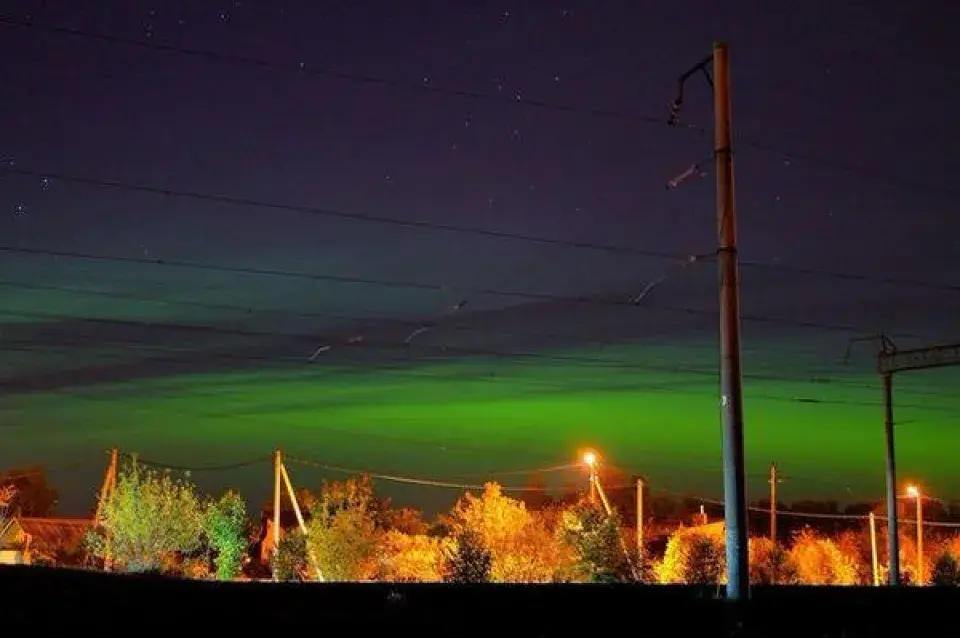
(893, 527)
(773, 503)
(277, 478)
(640, 551)
(891, 360)
(109, 483)
(731, 391)
(731, 378)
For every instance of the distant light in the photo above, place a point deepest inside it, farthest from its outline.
(913, 492)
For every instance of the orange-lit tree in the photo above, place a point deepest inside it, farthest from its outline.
(694, 556)
(522, 547)
(410, 557)
(770, 564)
(819, 561)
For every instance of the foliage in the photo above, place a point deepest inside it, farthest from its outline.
(693, 556)
(290, 560)
(225, 527)
(819, 561)
(521, 546)
(33, 495)
(946, 570)
(342, 534)
(147, 520)
(410, 557)
(405, 520)
(595, 538)
(467, 560)
(770, 564)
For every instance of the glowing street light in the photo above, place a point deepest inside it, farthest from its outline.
(914, 492)
(590, 459)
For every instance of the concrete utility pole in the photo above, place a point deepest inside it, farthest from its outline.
(640, 551)
(731, 378)
(773, 503)
(891, 360)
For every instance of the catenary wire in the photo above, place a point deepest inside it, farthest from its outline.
(129, 186)
(607, 300)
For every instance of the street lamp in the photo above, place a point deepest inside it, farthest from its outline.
(914, 492)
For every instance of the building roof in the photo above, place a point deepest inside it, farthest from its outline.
(49, 532)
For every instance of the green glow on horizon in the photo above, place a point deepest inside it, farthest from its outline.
(441, 420)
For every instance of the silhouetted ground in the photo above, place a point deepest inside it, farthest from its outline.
(50, 600)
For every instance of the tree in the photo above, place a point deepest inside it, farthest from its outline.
(595, 538)
(290, 560)
(34, 496)
(521, 546)
(946, 570)
(148, 521)
(468, 560)
(410, 557)
(342, 534)
(694, 556)
(819, 561)
(225, 527)
(770, 563)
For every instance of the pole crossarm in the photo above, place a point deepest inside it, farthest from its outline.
(918, 358)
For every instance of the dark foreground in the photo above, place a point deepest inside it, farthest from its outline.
(49, 600)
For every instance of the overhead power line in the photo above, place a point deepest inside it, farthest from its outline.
(310, 70)
(463, 230)
(444, 484)
(419, 285)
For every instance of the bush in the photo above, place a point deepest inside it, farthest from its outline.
(290, 560)
(946, 570)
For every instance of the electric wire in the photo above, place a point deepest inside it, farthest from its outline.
(605, 300)
(129, 186)
(429, 482)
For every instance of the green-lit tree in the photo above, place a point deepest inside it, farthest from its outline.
(148, 521)
(595, 536)
(290, 561)
(468, 561)
(342, 532)
(225, 527)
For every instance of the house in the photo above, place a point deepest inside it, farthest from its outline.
(28, 540)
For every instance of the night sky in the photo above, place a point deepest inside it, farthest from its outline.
(220, 222)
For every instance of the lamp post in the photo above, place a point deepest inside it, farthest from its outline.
(914, 492)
